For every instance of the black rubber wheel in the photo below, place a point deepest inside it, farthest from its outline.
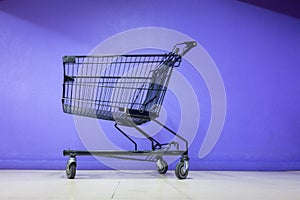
(164, 168)
(180, 172)
(71, 170)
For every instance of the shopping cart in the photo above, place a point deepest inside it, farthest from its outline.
(129, 90)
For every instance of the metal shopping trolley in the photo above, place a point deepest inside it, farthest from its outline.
(128, 90)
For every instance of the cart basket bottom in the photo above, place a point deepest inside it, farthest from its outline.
(123, 118)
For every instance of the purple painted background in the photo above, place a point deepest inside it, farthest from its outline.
(256, 50)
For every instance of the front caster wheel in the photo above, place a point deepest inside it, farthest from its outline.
(71, 170)
(180, 171)
(162, 166)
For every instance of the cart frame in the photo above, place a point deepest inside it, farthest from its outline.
(141, 106)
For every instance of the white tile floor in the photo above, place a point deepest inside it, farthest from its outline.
(204, 185)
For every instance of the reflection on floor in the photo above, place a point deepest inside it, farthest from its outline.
(24, 184)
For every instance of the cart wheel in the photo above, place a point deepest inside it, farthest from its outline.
(162, 166)
(71, 170)
(180, 171)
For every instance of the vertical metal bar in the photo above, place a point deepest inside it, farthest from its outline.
(135, 145)
(117, 91)
(71, 85)
(64, 85)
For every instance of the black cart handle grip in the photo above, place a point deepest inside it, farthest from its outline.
(184, 47)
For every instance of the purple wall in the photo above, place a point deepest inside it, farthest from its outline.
(256, 51)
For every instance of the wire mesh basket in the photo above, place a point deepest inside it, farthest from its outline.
(115, 87)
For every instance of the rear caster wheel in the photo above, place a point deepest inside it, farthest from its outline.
(180, 171)
(71, 170)
(162, 166)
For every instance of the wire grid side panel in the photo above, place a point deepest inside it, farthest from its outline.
(98, 86)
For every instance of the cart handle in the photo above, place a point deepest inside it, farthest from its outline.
(188, 46)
